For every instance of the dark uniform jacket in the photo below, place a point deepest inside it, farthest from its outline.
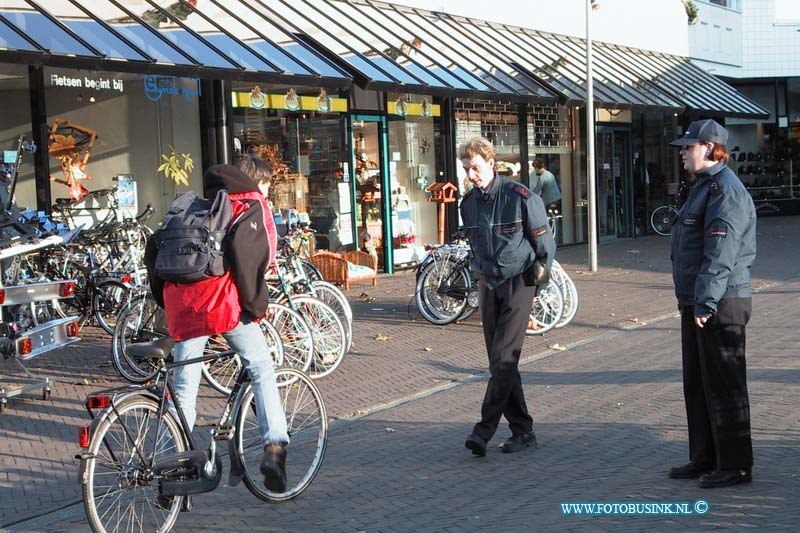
(714, 242)
(507, 229)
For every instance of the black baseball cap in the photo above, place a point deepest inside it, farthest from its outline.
(702, 131)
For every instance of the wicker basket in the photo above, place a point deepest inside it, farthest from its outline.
(333, 267)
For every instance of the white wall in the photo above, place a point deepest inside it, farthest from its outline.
(715, 41)
(763, 41)
(771, 45)
(650, 24)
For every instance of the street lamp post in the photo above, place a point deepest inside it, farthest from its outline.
(590, 167)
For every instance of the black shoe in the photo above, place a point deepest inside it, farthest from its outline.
(273, 466)
(476, 444)
(725, 478)
(689, 471)
(519, 442)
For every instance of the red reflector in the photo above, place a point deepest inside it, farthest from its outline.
(73, 328)
(67, 289)
(126, 278)
(83, 436)
(98, 402)
(24, 346)
(2, 296)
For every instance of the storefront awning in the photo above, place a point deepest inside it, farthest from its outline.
(402, 49)
(560, 63)
(224, 40)
(678, 77)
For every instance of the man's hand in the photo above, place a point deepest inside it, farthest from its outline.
(700, 320)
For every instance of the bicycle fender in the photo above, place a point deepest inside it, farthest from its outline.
(104, 414)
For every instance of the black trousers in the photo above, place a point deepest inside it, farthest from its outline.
(505, 311)
(715, 390)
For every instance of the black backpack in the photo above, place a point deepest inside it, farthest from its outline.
(190, 241)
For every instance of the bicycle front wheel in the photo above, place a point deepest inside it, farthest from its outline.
(546, 311)
(308, 433)
(441, 292)
(119, 491)
(327, 333)
(663, 218)
(334, 297)
(140, 321)
(110, 296)
(221, 373)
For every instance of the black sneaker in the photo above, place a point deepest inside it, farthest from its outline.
(725, 478)
(689, 471)
(273, 466)
(476, 444)
(517, 443)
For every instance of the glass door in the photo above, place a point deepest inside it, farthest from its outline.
(614, 198)
(371, 188)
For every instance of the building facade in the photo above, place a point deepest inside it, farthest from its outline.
(752, 45)
(359, 106)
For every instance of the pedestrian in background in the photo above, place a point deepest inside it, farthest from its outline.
(512, 249)
(713, 247)
(545, 185)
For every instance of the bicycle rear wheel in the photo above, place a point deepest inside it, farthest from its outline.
(663, 218)
(119, 492)
(308, 433)
(295, 334)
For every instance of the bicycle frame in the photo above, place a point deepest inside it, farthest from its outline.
(167, 391)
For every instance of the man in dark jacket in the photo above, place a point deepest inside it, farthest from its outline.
(507, 228)
(229, 305)
(713, 247)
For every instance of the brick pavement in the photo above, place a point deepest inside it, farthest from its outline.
(38, 473)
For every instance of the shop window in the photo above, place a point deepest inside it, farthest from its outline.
(496, 121)
(301, 132)
(550, 142)
(15, 121)
(121, 124)
(412, 165)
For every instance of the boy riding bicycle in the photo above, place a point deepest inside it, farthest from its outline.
(230, 305)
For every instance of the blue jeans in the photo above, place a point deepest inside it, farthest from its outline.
(249, 342)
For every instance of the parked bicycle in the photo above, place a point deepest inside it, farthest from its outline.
(139, 463)
(446, 290)
(663, 217)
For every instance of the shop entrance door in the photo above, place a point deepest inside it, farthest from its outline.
(371, 188)
(614, 197)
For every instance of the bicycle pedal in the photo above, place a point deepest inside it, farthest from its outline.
(224, 433)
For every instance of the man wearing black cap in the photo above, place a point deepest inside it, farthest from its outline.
(228, 305)
(713, 247)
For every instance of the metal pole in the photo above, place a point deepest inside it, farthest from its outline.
(590, 178)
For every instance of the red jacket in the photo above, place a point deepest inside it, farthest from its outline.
(218, 304)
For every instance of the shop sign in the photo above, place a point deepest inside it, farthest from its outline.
(290, 101)
(157, 86)
(413, 109)
(85, 82)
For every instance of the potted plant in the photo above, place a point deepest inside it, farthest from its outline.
(176, 167)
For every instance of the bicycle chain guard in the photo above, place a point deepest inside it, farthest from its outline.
(184, 473)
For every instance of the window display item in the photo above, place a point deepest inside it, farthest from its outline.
(71, 144)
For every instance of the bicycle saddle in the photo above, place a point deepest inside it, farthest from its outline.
(157, 349)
